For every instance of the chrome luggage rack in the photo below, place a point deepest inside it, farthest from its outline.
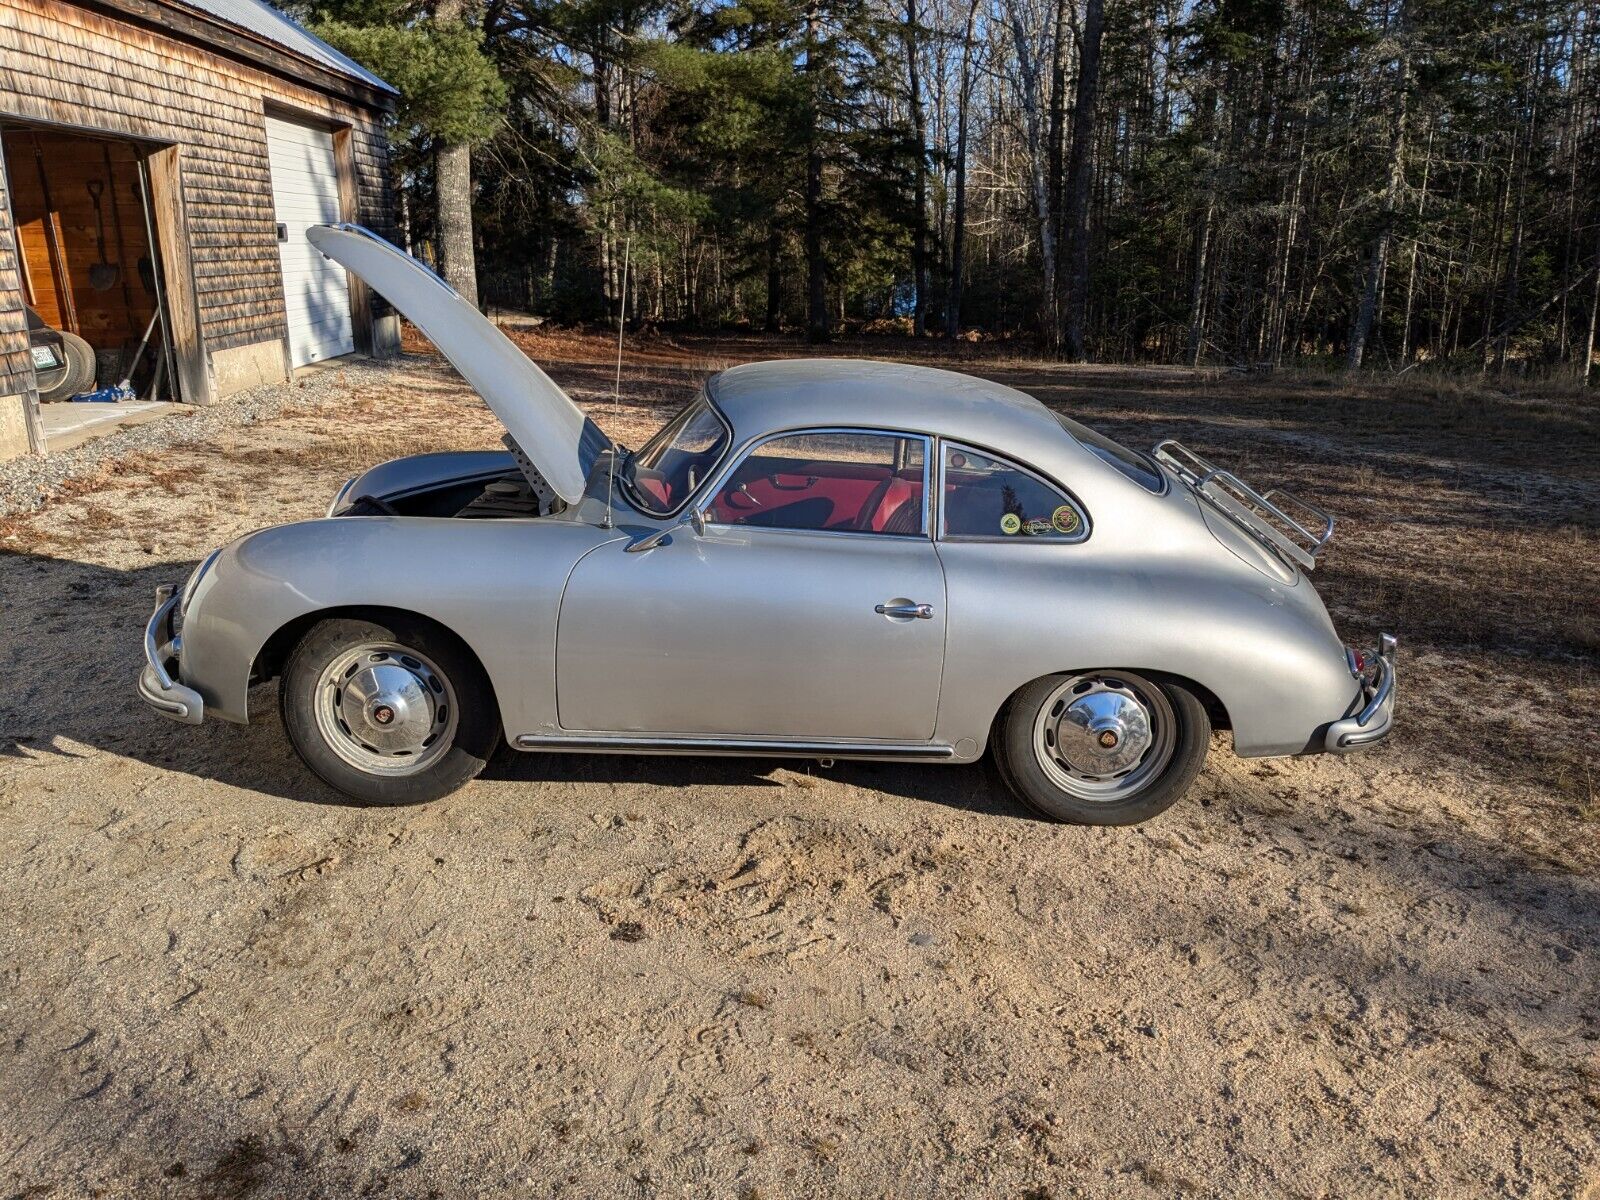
(1260, 514)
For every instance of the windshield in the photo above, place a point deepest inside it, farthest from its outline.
(663, 475)
(1131, 463)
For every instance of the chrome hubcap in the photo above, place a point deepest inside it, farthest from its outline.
(1104, 736)
(385, 709)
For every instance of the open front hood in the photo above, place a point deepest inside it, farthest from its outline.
(541, 419)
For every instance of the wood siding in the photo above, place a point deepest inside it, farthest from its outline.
(16, 363)
(71, 67)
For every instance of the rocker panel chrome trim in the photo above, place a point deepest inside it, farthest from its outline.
(732, 747)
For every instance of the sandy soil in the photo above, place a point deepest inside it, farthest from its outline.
(1375, 975)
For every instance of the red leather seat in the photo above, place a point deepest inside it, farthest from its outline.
(888, 508)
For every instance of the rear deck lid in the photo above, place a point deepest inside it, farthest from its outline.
(541, 418)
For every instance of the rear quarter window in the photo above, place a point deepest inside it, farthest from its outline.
(1138, 467)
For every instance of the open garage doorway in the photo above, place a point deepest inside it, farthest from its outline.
(90, 263)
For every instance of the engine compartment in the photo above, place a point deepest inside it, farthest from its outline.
(500, 496)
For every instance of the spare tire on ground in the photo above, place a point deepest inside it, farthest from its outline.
(80, 373)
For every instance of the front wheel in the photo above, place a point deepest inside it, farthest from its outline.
(1101, 747)
(392, 712)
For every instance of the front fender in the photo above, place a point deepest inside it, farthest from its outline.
(494, 584)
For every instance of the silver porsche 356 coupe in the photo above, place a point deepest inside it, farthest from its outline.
(825, 559)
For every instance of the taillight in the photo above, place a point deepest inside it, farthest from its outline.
(1357, 661)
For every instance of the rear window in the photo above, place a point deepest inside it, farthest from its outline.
(1137, 467)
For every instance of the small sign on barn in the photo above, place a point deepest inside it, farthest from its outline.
(159, 165)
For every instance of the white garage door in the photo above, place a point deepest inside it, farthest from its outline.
(305, 192)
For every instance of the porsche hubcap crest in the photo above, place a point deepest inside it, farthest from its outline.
(385, 709)
(1103, 736)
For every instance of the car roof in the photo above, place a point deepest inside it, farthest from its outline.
(797, 393)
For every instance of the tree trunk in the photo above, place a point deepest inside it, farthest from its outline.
(1202, 240)
(1055, 168)
(958, 231)
(1031, 95)
(1594, 316)
(1080, 170)
(1411, 271)
(919, 228)
(452, 166)
(1378, 259)
(405, 218)
(774, 277)
(817, 326)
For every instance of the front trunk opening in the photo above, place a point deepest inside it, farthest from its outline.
(505, 495)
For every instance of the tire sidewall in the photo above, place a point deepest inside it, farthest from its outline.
(477, 730)
(1020, 768)
(79, 374)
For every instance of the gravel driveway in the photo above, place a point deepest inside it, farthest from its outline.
(634, 977)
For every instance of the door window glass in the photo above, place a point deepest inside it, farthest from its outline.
(842, 482)
(988, 497)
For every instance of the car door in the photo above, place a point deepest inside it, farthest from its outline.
(810, 605)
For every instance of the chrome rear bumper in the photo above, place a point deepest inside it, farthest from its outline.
(1375, 721)
(157, 687)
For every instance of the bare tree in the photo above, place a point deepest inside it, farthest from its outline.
(1033, 37)
(452, 166)
(919, 129)
(1378, 259)
(958, 233)
(1080, 167)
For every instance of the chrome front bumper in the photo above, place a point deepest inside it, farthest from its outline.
(1375, 721)
(157, 687)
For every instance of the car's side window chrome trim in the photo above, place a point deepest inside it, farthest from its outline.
(630, 491)
(1085, 526)
(734, 461)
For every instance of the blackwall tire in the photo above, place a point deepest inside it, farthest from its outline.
(80, 373)
(1049, 748)
(388, 712)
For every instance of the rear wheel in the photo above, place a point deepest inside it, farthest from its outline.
(1102, 747)
(393, 712)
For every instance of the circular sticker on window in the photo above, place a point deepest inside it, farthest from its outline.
(1065, 519)
(1010, 523)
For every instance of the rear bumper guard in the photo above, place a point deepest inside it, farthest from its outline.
(157, 687)
(1375, 721)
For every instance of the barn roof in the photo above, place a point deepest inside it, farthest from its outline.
(265, 22)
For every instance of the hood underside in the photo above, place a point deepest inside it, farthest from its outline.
(543, 422)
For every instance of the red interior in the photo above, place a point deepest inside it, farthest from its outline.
(803, 494)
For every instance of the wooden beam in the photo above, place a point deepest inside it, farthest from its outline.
(350, 210)
(26, 380)
(165, 173)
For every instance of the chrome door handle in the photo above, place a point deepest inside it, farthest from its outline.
(924, 611)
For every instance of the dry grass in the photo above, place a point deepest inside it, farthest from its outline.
(738, 978)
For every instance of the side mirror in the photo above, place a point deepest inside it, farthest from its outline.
(695, 519)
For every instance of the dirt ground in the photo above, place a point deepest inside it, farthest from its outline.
(1372, 975)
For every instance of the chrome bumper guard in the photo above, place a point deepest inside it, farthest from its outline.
(157, 687)
(1375, 721)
